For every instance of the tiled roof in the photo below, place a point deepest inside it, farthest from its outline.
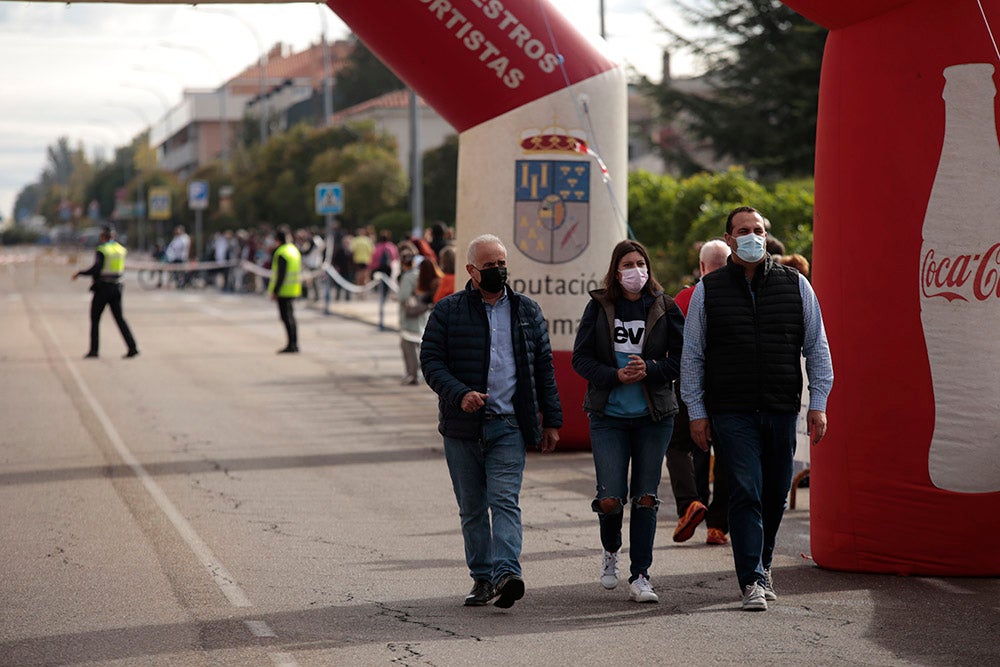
(281, 67)
(397, 99)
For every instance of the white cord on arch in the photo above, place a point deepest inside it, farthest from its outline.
(990, 32)
(582, 109)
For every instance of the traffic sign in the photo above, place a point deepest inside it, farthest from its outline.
(329, 198)
(198, 195)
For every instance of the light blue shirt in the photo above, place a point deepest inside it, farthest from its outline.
(816, 350)
(501, 381)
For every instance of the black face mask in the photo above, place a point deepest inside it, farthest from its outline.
(493, 279)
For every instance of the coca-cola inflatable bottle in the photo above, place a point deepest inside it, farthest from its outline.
(960, 287)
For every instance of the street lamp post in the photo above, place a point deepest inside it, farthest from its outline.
(327, 82)
(166, 111)
(223, 98)
(416, 169)
(261, 62)
(117, 141)
(139, 194)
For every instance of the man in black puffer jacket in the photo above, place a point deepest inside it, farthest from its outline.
(486, 354)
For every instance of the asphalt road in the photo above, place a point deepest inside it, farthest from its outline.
(213, 503)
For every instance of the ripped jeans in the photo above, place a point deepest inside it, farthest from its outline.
(616, 441)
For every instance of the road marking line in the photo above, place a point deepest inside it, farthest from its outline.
(283, 659)
(220, 575)
(259, 628)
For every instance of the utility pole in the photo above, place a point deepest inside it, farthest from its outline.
(416, 169)
(327, 80)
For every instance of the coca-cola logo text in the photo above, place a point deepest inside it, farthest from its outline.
(954, 277)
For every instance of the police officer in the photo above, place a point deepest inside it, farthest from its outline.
(286, 284)
(107, 272)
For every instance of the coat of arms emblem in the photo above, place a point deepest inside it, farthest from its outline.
(552, 196)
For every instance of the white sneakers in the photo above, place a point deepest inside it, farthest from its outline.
(641, 590)
(753, 598)
(609, 570)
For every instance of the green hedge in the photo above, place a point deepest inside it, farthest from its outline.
(670, 216)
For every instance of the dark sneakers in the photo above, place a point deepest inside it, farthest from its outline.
(291, 349)
(90, 355)
(481, 593)
(510, 590)
(130, 354)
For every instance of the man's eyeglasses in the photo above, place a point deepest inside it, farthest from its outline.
(489, 265)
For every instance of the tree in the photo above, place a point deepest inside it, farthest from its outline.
(673, 216)
(372, 178)
(28, 201)
(762, 74)
(441, 181)
(62, 183)
(364, 77)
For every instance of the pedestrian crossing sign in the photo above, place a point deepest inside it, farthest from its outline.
(329, 198)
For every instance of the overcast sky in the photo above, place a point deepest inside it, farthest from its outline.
(99, 73)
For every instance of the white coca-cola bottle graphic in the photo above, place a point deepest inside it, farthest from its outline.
(960, 287)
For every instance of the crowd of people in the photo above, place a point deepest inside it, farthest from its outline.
(354, 255)
(715, 368)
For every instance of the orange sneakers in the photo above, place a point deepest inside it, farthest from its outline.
(693, 515)
(716, 536)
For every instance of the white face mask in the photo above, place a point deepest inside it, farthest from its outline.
(633, 280)
(750, 248)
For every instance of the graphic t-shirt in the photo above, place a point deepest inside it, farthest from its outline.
(628, 400)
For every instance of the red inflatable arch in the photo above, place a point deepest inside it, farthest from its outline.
(542, 121)
(907, 250)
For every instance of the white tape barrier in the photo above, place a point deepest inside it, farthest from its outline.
(377, 277)
(257, 270)
(15, 259)
(180, 266)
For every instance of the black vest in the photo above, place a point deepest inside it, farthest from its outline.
(753, 343)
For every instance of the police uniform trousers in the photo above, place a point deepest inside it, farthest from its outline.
(108, 294)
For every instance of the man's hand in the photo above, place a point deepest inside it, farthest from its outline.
(701, 433)
(816, 421)
(75, 276)
(473, 401)
(550, 437)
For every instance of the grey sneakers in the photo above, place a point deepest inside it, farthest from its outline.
(753, 598)
(768, 585)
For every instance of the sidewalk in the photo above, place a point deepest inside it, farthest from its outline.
(370, 309)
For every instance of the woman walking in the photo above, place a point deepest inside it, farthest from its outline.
(628, 348)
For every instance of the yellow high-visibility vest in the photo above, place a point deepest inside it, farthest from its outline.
(292, 285)
(114, 260)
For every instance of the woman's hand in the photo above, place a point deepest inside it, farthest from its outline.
(634, 371)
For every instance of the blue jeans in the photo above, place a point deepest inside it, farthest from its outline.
(615, 441)
(757, 449)
(486, 475)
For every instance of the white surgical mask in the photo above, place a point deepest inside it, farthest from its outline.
(633, 280)
(750, 248)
